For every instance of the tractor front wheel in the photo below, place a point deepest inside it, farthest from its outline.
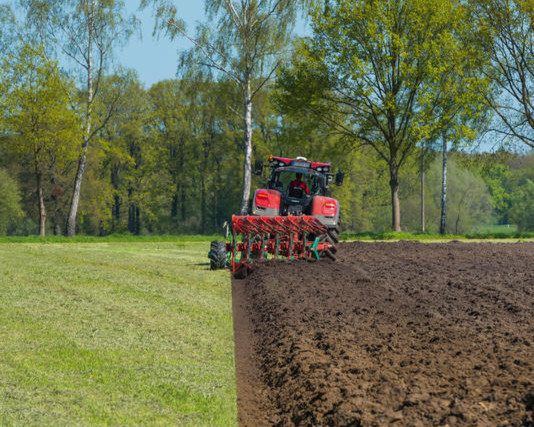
(217, 255)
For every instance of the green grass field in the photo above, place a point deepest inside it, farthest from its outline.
(111, 333)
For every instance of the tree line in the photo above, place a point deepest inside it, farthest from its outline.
(397, 93)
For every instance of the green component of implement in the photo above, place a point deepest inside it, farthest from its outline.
(313, 248)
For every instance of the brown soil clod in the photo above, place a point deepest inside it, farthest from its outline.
(392, 333)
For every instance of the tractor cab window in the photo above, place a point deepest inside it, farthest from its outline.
(283, 179)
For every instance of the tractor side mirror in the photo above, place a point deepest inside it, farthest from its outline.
(340, 175)
(258, 167)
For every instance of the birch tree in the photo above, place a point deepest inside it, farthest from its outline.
(85, 32)
(243, 40)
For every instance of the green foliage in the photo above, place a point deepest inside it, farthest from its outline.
(522, 210)
(468, 198)
(34, 100)
(386, 74)
(195, 145)
(42, 128)
(10, 203)
(378, 76)
(86, 33)
(243, 41)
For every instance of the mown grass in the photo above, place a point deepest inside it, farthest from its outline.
(114, 334)
(116, 238)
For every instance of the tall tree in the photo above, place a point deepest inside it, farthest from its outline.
(125, 136)
(509, 41)
(372, 69)
(172, 135)
(84, 31)
(242, 40)
(35, 111)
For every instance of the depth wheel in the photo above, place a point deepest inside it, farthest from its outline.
(331, 251)
(329, 254)
(332, 240)
(333, 233)
(217, 255)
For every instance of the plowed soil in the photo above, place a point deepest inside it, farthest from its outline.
(392, 333)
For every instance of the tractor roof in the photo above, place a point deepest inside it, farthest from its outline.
(299, 162)
(308, 171)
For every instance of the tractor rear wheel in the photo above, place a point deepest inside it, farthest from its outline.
(333, 233)
(332, 237)
(217, 255)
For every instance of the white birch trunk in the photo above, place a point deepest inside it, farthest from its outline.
(42, 208)
(423, 187)
(443, 221)
(395, 202)
(71, 222)
(247, 146)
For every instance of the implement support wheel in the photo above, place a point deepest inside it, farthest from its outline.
(217, 255)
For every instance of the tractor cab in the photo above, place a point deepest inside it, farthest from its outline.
(282, 178)
(297, 187)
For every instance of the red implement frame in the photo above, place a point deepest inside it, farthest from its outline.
(291, 237)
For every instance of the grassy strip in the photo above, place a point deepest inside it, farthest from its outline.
(115, 334)
(499, 233)
(118, 238)
(390, 235)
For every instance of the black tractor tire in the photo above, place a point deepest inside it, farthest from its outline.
(334, 235)
(217, 255)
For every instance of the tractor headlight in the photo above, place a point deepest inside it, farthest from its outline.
(319, 169)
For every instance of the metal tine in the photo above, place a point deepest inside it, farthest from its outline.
(248, 224)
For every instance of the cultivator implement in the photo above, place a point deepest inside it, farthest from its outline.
(278, 237)
(292, 217)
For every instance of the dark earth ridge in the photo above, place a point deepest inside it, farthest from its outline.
(401, 333)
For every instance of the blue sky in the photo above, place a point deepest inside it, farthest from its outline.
(156, 59)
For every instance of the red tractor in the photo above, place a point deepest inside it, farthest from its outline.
(293, 217)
